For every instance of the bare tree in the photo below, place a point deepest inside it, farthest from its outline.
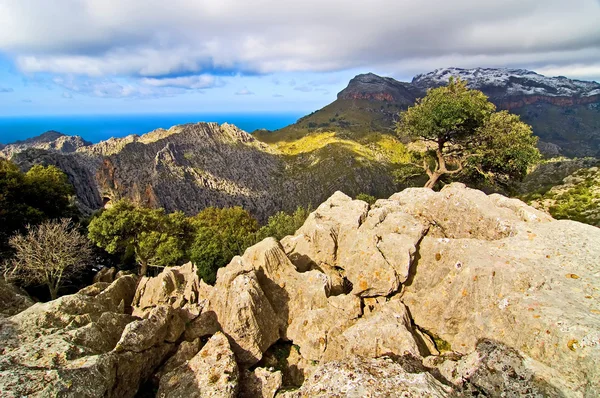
(49, 254)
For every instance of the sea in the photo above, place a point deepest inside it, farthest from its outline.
(96, 128)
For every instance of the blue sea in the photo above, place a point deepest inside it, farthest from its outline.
(101, 127)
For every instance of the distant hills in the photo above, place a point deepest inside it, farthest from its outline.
(564, 113)
(349, 145)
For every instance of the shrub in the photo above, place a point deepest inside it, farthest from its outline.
(49, 254)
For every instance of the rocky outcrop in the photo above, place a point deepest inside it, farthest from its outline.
(212, 372)
(12, 299)
(82, 345)
(495, 368)
(369, 86)
(450, 293)
(368, 377)
(50, 140)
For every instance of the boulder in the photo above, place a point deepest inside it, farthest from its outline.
(376, 257)
(257, 296)
(178, 287)
(67, 347)
(494, 368)
(498, 269)
(260, 383)
(315, 244)
(186, 351)
(12, 299)
(106, 275)
(368, 377)
(366, 252)
(387, 331)
(245, 315)
(212, 372)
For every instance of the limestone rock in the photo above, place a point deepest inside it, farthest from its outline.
(378, 255)
(186, 351)
(141, 335)
(105, 275)
(65, 347)
(12, 299)
(370, 252)
(246, 316)
(260, 383)
(499, 270)
(316, 242)
(494, 369)
(212, 372)
(368, 377)
(174, 286)
(384, 332)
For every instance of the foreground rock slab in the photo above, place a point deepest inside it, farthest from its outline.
(535, 287)
(213, 372)
(368, 377)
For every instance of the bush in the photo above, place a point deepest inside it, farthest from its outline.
(367, 198)
(41, 194)
(219, 235)
(49, 254)
(282, 224)
(157, 239)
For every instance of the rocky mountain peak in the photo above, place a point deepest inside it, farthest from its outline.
(370, 86)
(510, 82)
(48, 136)
(50, 140)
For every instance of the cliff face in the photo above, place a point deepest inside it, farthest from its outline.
(372, 87)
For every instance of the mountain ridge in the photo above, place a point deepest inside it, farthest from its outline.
(564, 113)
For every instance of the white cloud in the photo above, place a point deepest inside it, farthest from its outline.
(169, 39)
(189, 82)
(244, 91)
(6, 90)
(110, 88)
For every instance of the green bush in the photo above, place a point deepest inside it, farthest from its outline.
(282, 224)
(157, 239)
(219, 235)
(41, 194)
(366, 198)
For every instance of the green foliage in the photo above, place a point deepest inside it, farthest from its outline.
(219, 235)
(156, 238)
(504, 147)
(30, 198)
(464, 136)
(579, 203)
(282, 224)
(366, 198)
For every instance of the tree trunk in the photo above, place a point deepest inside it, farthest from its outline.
(143, 268)
(433, 178)
(53, 292)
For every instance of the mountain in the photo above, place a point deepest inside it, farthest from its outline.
(193, 166)
(564, 113)
(48, 140)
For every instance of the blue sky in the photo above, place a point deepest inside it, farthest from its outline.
(157, 56)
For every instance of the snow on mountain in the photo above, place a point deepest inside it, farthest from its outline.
(512, 81)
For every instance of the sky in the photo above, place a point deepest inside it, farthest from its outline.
(224, 56)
